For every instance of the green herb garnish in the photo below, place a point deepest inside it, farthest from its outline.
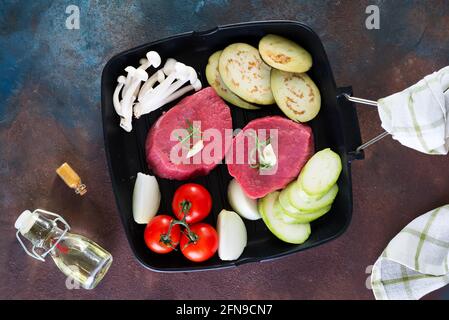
(256, 162)
(192, 132)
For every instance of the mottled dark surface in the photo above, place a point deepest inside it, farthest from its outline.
(50, 113)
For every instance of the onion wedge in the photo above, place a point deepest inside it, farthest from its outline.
(146, 198)
(232, 237)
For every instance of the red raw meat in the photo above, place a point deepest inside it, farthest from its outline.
(204, 106)
(294, 147)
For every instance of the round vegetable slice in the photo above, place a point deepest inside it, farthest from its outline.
(291, 233)
(303, 202)
(309, 217)
(214, 79)
(241, 203)
(244, 73)
(321, 172)
(286, 204)
(279, 212)
(284, 201)
(232, 236)
(299, 218)
(284, 54)
(296, 94)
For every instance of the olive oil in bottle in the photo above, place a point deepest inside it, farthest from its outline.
(79, 258)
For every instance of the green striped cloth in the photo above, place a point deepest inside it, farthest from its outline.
(416, 261)
(418, 117)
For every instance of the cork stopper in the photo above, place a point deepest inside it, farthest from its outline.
(71, 178)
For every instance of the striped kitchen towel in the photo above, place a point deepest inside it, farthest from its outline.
(416, 261)
(418, 117)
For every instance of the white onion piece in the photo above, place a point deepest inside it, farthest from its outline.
(232, 237)
(241, 203)
(146, 198)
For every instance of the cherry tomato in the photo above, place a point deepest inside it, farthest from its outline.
(156, 234)
(205, 245)
(193, 201)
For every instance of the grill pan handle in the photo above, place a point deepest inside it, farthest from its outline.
(369, 103)
(350, 124)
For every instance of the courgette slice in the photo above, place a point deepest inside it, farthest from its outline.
(312, 216)
(296, 95)
(245, 74)
(287, 206)
(306, 203)
(298, 218)
(215, 81)
(284, 54)
(291, 233)
(320, 173)
(284, 201)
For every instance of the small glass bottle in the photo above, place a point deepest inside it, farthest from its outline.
(76, 256)
(71, 178)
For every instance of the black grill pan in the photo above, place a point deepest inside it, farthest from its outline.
(336, 127)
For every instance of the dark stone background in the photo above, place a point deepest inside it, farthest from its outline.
(50, 113)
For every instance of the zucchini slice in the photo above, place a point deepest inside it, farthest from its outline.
(305, 203)
(296, 94)
(320, 173)
(299, 218)
(245, 74)
(312, 216)
(284, 54)
(214, 79)
(286, 204)
(291, 233)
(284, 201)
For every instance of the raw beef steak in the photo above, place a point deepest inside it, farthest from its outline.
(205, 108)
(294, 145)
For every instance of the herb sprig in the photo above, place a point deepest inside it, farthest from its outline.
(192, 132)
(254, 160)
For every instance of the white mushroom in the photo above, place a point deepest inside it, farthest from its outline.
(157, 104)
(130, 71)
(142, 62)
(181, 72)
(195, 86)
(115, 98)
(169, 66)
(192, 78)
(153, 60)
(159, 76)
(129, 98)
(126, 119)
(170, 78)
(138, 76)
